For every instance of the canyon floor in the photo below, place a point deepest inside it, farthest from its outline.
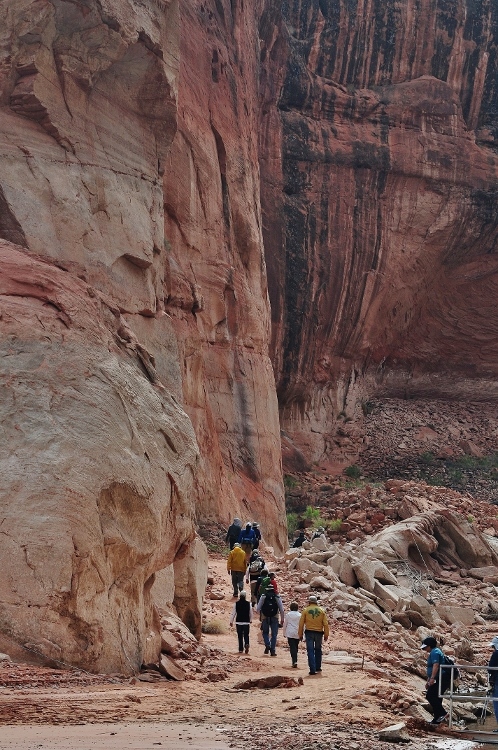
(341, 709)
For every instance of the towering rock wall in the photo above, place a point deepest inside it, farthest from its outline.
(379, 158)
(216, 275)
(138, 396)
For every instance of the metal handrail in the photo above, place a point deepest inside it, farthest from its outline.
(450, 692)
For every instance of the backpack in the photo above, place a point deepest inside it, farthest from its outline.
(451, 662)
(256, 565)
(270, 604)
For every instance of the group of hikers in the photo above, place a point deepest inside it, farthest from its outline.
(246, 564)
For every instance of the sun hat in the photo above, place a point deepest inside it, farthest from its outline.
(313, 599)
(494, 642)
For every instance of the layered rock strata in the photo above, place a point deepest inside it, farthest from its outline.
(379, 183)
(216, 274)
(113, 326)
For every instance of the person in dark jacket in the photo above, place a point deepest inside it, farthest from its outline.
(435, 658)
(242, 616)
(233, 532)
(300, 539)
(257, 532)
(246, 539)
(493, 676)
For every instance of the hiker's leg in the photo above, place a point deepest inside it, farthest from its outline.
(265, 630)
(435, 701)
(245, 633)
(274, 633)
(310, 648)
(495, 699)
(293, 648)
(240, 631)
(234, 583)
(318, 651)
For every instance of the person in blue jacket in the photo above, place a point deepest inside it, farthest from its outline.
(435, 658)
(246, 540)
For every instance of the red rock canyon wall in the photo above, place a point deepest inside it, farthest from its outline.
(379, 158)
(112, 331)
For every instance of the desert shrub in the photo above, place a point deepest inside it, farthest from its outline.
(334, 525)
(292, 523)
(214, 627)
(353, 471)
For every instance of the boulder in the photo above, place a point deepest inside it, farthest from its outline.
(168, 668)
(319, 543)
(394, 733)
(368, 570)
(452, 614)
(320, 582)
(488, 571)
(421, 605)
(373, 613)
(169, 644)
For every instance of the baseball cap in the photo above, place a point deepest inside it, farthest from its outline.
(429, 641)
(313, 599)
(494, 642)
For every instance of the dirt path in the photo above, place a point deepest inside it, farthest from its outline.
(341, 708)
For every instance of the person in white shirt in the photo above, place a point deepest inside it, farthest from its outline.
(290, 631)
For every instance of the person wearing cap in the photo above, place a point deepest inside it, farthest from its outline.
(314, 624)
(493, 675)
(435, 658)
(242, 616)
(319, 532)
(236, 566)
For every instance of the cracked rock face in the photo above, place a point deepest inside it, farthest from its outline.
(97, 463)
(379, 182)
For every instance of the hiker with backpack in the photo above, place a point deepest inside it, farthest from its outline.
(253, 572)
(435, 658)
(242, 616)
(270, 606)
(265, 579)
(246, 540)
(257, 532)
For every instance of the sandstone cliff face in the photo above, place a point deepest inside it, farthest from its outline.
(216, 275)
(380, 220)
(109, 327)
(97, 459)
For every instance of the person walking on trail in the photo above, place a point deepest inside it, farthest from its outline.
(264, 581)
(298, 542)
(435, 658)
(291, 631)
(254, 569)
(242, 616)
(233, 532)
(493, 676)
(314, 624)
(270, 606)
(236, 566)
(246, 539)
(257, 533)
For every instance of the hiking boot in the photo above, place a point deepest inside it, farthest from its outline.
(247, 649)
(267, 650)
(319, 670)
(294, 664)
(273, 653)
(442, 718)
(311, 673)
